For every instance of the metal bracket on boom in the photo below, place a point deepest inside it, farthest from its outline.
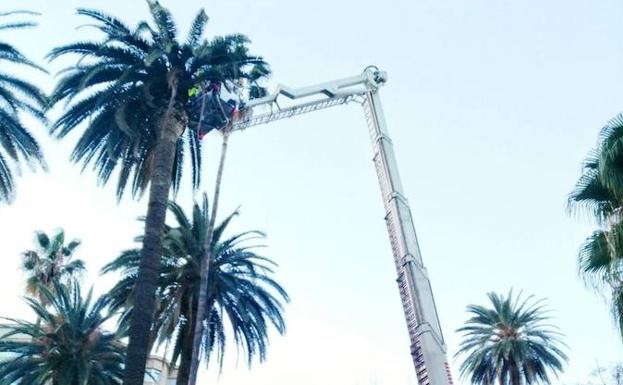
(428, 349)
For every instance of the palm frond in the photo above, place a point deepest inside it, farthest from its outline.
(591, 195)
(197, 29)
(68, 345)
(17, 145)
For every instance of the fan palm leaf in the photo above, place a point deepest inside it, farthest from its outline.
(599, 193)
(50, 261)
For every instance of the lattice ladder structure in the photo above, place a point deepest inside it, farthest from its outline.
(428, 349)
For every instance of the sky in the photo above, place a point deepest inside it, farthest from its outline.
(492, 105)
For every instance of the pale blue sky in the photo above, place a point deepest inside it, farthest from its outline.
(492, 106)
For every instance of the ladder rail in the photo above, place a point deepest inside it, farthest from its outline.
(276, 113)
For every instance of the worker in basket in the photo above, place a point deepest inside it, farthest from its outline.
(210, 110)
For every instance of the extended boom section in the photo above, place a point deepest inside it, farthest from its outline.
(428, 349)
(427, 344)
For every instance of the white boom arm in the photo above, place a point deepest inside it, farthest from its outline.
(427, 344)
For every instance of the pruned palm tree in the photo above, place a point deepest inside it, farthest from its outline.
(132, 90)
(206, 264)
(510, 343)
(68, 347)
(599, 193)
(51, 260)
(17, 96)
(242, 298)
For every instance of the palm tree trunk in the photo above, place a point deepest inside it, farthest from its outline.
(186, 348)
(205, 266)
(145, 288)
(186, 355)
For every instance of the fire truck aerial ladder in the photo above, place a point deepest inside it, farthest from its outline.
(428, 349)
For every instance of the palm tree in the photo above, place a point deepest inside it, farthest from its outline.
(132, 89)
(50, 261)
(510, 343)
(242, 298)
(17, 96)
(68, 347)
(599, 193)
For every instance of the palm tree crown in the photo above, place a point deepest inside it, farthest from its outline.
(242, 296)
(509, 343)
(133, 79)
(51, 260)
(69, 345)
(16, 96)
(599, 193)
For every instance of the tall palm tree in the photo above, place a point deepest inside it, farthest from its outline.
(132, 90)
(17, 96)
(242, 296)
(69, 347)
(599, 193)
(510, 343)
(50, 261)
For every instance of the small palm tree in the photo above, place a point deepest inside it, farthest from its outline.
(52, 260)
(242, 297)
(599, 193)
(510, 343)
(133, 91)
(68, 347)
(17, 96)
